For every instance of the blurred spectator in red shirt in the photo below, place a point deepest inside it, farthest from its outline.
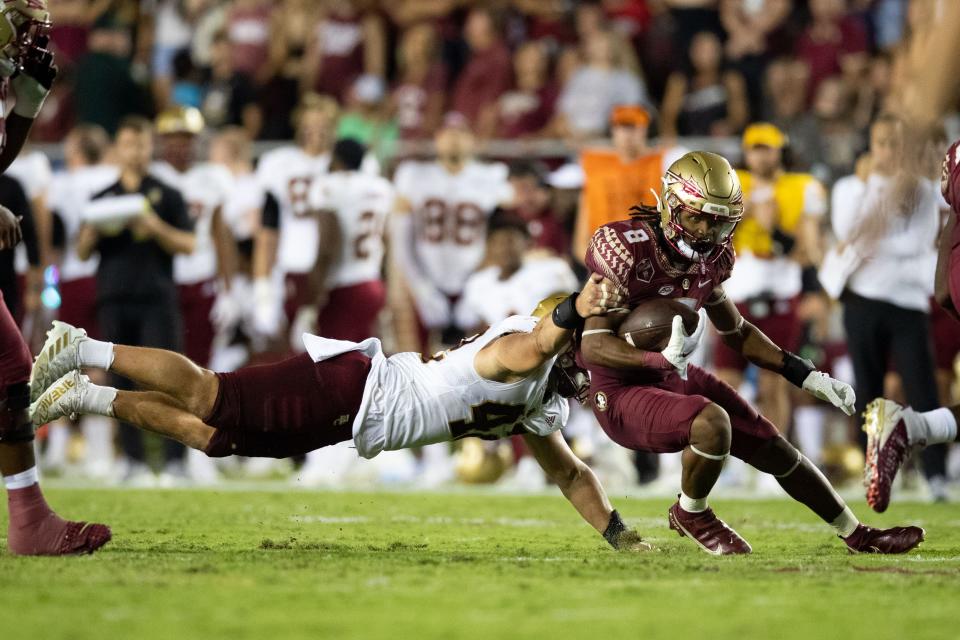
(248, 27)
(628, 17)
(533, 202)
(418, 97)
(487, 74)
(754, 30)
(349, 41)
(704, 99)
(834, 42)
(548, 21)
(71, 20)
(528, 108)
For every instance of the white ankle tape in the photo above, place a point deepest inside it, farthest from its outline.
(709, 456)
(793, 468)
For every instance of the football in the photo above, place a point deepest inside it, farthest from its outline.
(649, 325)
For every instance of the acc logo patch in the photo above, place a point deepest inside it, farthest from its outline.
(600, 401)
(645, 270)
(666, 290)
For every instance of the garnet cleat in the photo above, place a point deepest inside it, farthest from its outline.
(710, 532)
(887, 447)
(866, 539)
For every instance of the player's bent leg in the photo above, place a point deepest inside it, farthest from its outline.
(806, 484)
(157, 412)
(703, 460)
(34, 528)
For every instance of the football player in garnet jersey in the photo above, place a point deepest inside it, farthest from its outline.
(27, 68)
(894, 431)
(656, 401)
(504, 382)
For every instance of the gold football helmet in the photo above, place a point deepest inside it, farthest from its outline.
(24, 27)
(704, 184)
(187, 120)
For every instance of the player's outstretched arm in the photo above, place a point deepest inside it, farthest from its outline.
(515, 356)
(582, 488)
(756, 347)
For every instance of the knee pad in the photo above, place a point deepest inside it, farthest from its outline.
(15, 424)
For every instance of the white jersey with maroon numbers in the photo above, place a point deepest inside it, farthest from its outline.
(361, 203)
(450, 216)
(241, 210)
(204, 188)
(70, 192)
(410, 403)
(288, 174)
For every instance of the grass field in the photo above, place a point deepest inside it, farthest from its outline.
(274, 565)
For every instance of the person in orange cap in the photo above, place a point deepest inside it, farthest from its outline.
(620, 177)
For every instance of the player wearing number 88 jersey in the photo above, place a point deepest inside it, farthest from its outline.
(440, 226)
(497, 384)
(352, 208)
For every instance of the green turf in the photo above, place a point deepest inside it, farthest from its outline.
(273, 565)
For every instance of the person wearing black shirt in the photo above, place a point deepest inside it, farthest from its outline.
(15, 199)
(136, 294)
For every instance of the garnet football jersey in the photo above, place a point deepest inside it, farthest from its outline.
(450, 213)
(630, 253)
(361, 203)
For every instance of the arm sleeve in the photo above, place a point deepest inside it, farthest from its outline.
(270, 217)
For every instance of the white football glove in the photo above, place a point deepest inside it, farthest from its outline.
(226, 312)
(838, 393)
(681, 346)
(432, 306)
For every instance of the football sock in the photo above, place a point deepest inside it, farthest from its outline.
(933, 427)
(98, 400)
(21, 480)
(845, 523)
(692, 505)
(96, 353)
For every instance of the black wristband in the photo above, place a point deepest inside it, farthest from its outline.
(614, 529)
(796, 369)
(565, 314)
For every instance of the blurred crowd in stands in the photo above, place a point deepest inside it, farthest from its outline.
(794, 91)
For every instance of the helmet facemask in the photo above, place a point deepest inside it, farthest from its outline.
(24, 32)
(567, 378)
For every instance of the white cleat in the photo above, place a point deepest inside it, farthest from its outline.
(63, 398)
(60, 354)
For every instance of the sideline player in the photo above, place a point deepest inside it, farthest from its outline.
(27, 68)
(894, 431)
(658, 402)
(501, 383)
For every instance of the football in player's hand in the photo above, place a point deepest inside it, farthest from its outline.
(650, 324)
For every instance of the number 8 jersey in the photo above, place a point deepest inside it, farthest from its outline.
(450, 212)
(410, 403)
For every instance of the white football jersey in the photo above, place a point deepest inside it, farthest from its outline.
(361, 203)
(204, 188)
(450, 213)
(70, 192)
(487, 299)
(288, 174)
(411, 403)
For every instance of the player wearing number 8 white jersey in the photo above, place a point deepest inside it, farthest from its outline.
(352, 208)
(288, 237)
(439, 230)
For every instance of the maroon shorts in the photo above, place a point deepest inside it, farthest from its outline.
(287, 408)
(15, 359)
(351, 312)
(945, 330)
(78, 304)
(657, 417)
(777, 319)
(296, 294)
(196, 302)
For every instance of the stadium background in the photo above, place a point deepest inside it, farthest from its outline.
(820, 71)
